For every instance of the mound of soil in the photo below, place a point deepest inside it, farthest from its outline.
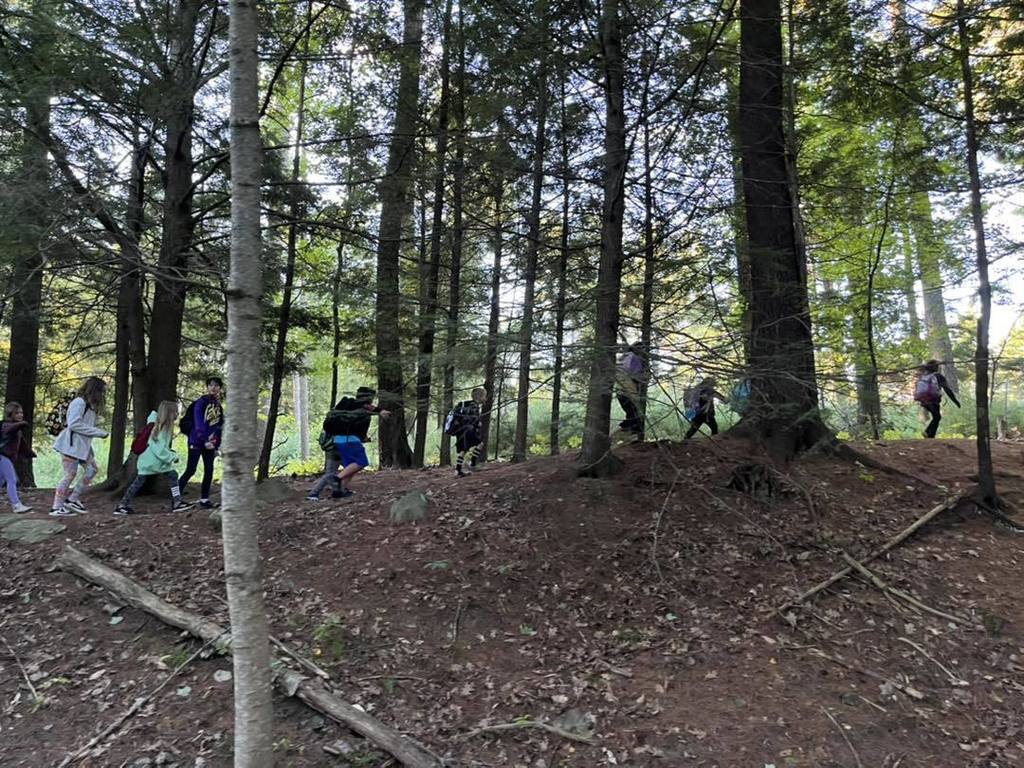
(637, 614)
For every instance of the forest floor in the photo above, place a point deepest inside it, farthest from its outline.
(638, 609)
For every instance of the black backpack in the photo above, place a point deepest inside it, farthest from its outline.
(186, 422)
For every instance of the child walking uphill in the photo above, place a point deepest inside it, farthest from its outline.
(15, 448)
(700, 408)
(928, 392)
(74, 444)
(203, 423)
(349, 423)
(465, 426)
(158, 459)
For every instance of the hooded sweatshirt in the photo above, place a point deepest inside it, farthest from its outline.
(158, 458)
(75, 440)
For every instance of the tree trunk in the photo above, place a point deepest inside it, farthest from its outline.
(250, 646)
(562, 269)
(35, 205)
(986, 476)
(336, 322)
(647, 309)
(532, 248)
(130, 341)
(429, 269)
(285, 311)
(394, 194)
(784, 390)
(300, 390)
(493, 320)
(596, 455)
(455, 275)
(178, 103)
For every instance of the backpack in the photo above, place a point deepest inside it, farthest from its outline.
(740, 399)
(927, 389)
(57, 418)
(453, 422)
(325, 441)
(141, 441)
(186, 422)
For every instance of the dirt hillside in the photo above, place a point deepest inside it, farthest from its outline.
(635, 615)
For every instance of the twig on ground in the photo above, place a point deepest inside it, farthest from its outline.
(114, 727)
(952, 678)
(24, 674)
(842, 732)
(906, 689)
(888, 588)
(896, 540)
(392, 677)
(457, 623)
(520, 724)
(657, 525)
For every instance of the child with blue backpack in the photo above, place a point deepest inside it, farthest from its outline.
(928, 393)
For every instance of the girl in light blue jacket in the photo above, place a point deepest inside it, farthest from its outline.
(158, 459)
(74, 444)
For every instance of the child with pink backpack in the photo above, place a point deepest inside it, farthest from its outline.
(928, 393)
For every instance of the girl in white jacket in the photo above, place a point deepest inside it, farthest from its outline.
(74, 444)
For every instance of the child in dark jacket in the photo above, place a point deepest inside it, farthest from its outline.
(928, 392)
(349, 424)
(204, 438)
(466, 426)
(15, 448)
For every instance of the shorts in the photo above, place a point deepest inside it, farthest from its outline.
(351, 451)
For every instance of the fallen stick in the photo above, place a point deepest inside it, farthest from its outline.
(32, 689)
(906, 689)
(842, 732)
(899, 538)
(291, 683)
(905, 596)
(520, 724)
(952, 678)
(139, 702)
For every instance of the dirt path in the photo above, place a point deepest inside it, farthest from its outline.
(638, 608)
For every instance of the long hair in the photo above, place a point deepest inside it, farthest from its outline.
(166, 414)
(93, 391)
(10, 409)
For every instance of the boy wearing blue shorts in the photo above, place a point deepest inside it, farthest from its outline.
(349, 424)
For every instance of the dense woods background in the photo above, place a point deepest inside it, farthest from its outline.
(458, 194)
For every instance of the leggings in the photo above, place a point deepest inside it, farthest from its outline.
(194, 455)
(706, 417)
(9, 476)
(330, 476)
(935, 411)
(71, 465)
(140, 480)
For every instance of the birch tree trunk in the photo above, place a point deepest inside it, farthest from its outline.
(986, 476)
(596, 455)
(532, 246)
(560, 277)
(294, 214)
(253, 736)
(494, 317)
(394, 194)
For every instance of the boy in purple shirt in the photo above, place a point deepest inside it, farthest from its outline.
(205, 422)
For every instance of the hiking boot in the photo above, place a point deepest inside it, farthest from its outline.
(21, 509)
(207, 504)
(62, 512)
(181, 505)
(75, 506)
(313, 498)
(459, 472)
(123, 510)
(344, 493)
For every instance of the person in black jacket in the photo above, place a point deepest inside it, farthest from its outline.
(465, 426)
(928, 392)
(349, 424)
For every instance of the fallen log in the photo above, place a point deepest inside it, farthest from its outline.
(899, 538)
(312, 692)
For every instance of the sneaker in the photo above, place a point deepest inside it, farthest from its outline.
(459, 473)
(311, 497)
(62, 512)
(182, 505)
(342, 494)
(206, 504)
(123, 510)
(76, 506)
(21, 509)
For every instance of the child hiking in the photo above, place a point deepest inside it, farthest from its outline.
(700, 407)
(629, 376)
(349, 424)
(14, 448)
(158, 459)
(203, 423)
(332, 461)
(74, 444)
(928, 393)
(463, 422)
